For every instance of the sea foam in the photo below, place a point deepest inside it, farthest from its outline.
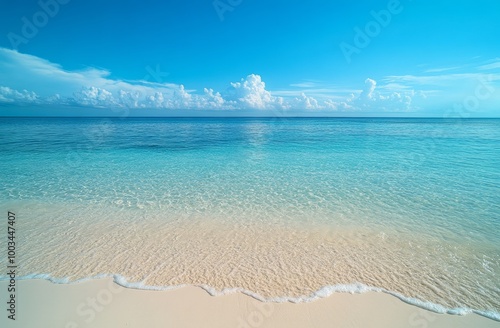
(324, 292)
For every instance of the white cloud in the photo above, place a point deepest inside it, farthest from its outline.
(442, 69)
(369, 88)
(180, 99)
(29, 79)
(94, 88)
(491, 66)
(440, 80)
(211, 100)
(9, 95)
(95, 97)
(251, 93)
(307, 84)
(306, 102)
(327, 92)
(369, 99)
(155, 101)
(89, 87)
(394, 87)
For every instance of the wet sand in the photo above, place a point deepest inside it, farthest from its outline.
(102, 303)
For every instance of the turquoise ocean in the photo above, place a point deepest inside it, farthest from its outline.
(279, 208)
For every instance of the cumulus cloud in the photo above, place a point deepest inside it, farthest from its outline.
(95, 97)
(211, 100)
(89, 87)
(9, 95)
(251, 93)
(366, 99)
(26, 79)
(49, 83)
(387, 100)
(306, 102)
(369, 88)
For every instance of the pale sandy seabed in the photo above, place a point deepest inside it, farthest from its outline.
(271, 260)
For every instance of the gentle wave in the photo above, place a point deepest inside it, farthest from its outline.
(324, 292)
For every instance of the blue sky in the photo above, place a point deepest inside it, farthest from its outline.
(250, 57)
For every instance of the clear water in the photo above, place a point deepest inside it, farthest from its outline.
(280, 207)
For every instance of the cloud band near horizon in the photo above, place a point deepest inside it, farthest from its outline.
(27, 79)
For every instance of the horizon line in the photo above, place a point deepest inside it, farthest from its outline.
(353, 117)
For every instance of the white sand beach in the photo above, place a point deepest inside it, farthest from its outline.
(102, 303)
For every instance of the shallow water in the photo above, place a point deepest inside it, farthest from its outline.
(279, 207)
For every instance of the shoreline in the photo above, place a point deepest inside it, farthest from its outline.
(321, 293)
(265, 259)
(104, 303)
